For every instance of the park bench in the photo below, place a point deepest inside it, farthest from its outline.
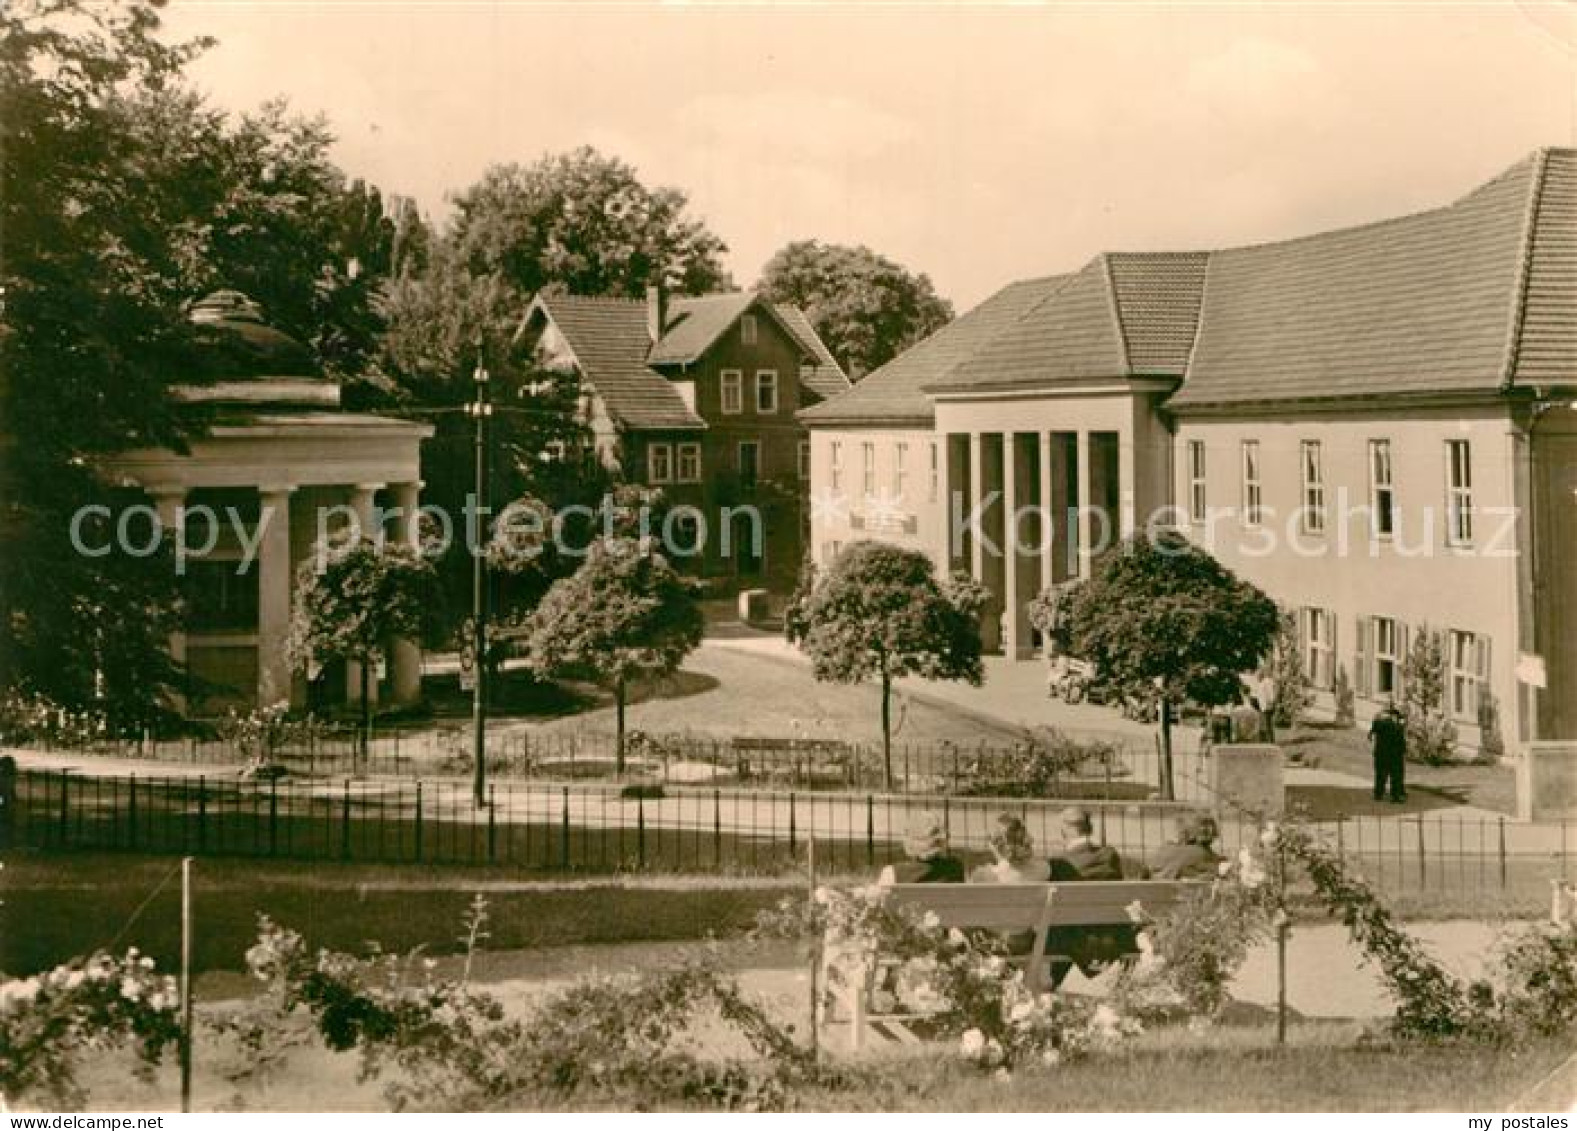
(1093, 905)
(799, 761)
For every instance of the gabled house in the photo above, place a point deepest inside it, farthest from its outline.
(1377, 425)
(698, 396)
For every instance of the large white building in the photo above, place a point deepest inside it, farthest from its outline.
(1376, 425)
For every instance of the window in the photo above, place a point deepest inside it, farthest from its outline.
(1312, 516)
(766, 390)
(659, 463)
(747, 329)
(835, 465)
(829, 552)
(900, 469)
(804, 459)
(936, 474)
(868, 462)
(220, 597)
(732, 392)
(1387, 652)
(1253, 498)
(1319, 648)
(749, 463)
(1469, 673)
(1382, 491)
(1196, 482)
(689, 470)
(1459, 493)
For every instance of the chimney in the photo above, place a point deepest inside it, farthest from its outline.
(656, 311)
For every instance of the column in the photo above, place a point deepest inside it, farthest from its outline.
(169, 501)
(1011, 606)
(274, 582)
(1050, 520)
(406, 655)
(977, 492)
(1086, 531)
(361, 501)
(1128, 454)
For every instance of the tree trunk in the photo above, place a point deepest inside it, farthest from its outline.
(1168, 793)
(366, 712)
(887, 728)
(618, 732)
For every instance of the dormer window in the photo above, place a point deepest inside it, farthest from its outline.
(747, 329)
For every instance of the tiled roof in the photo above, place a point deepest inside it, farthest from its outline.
(1418, 304)
(1546, 349)
(827, 379)
(695, 323)
(1472, 297)
(1157, 298)
(894, 392)
(610, 339)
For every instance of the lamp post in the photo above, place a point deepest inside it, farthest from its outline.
(480, 410)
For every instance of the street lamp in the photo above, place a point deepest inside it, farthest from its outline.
(479, 410)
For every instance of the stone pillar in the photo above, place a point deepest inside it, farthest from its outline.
(170, 504)
(977, 491)
(1128, 455)
(361, 501)
(275, 579)
(1084, 504)
(406, 655)
(1011, 607)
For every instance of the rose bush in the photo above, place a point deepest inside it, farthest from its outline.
(94, 1003)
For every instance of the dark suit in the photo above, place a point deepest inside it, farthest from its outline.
(1087, 948)
(1388, 736)
(936, 870)
(1185, 862)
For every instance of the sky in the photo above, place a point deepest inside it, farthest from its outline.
(979, 144)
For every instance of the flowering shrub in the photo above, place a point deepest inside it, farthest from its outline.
(263, 733)
(1036, 763)
(27, 717)
(444, 1045)
(1189, 956)
(962, 983)
(95, 1003)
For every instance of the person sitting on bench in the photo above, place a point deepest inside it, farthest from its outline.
(1015, 863)
(1191, 855)
(929, 860)
(1081, 858)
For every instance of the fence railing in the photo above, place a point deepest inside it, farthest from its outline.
(1087, 766)
(593, 827)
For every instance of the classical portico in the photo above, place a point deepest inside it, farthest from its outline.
(252, 498)
(1038, 483)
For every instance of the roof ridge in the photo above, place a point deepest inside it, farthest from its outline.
(1115, 309)
(1519, 292)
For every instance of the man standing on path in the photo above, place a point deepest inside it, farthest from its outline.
(1388, 744)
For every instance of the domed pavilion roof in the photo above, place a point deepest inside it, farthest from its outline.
(244, 360)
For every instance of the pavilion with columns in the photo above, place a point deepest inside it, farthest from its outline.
(279, 468)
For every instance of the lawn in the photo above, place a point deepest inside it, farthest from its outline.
(1323, 1068)
(1346, 750)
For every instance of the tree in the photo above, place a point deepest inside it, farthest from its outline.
(584, 223)
(867, 308)
(1431, 733)
(1284, 668)
(90, 334)
(625, 614)
(363, 596)
(880, 612)
(1165, 623)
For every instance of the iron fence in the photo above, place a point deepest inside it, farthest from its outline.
(1084, 767)
(608, 828)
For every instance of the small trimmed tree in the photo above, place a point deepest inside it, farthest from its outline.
(624, 614)
(364, 596)
(880, 612)
(1284, 668)
(1164, 622)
